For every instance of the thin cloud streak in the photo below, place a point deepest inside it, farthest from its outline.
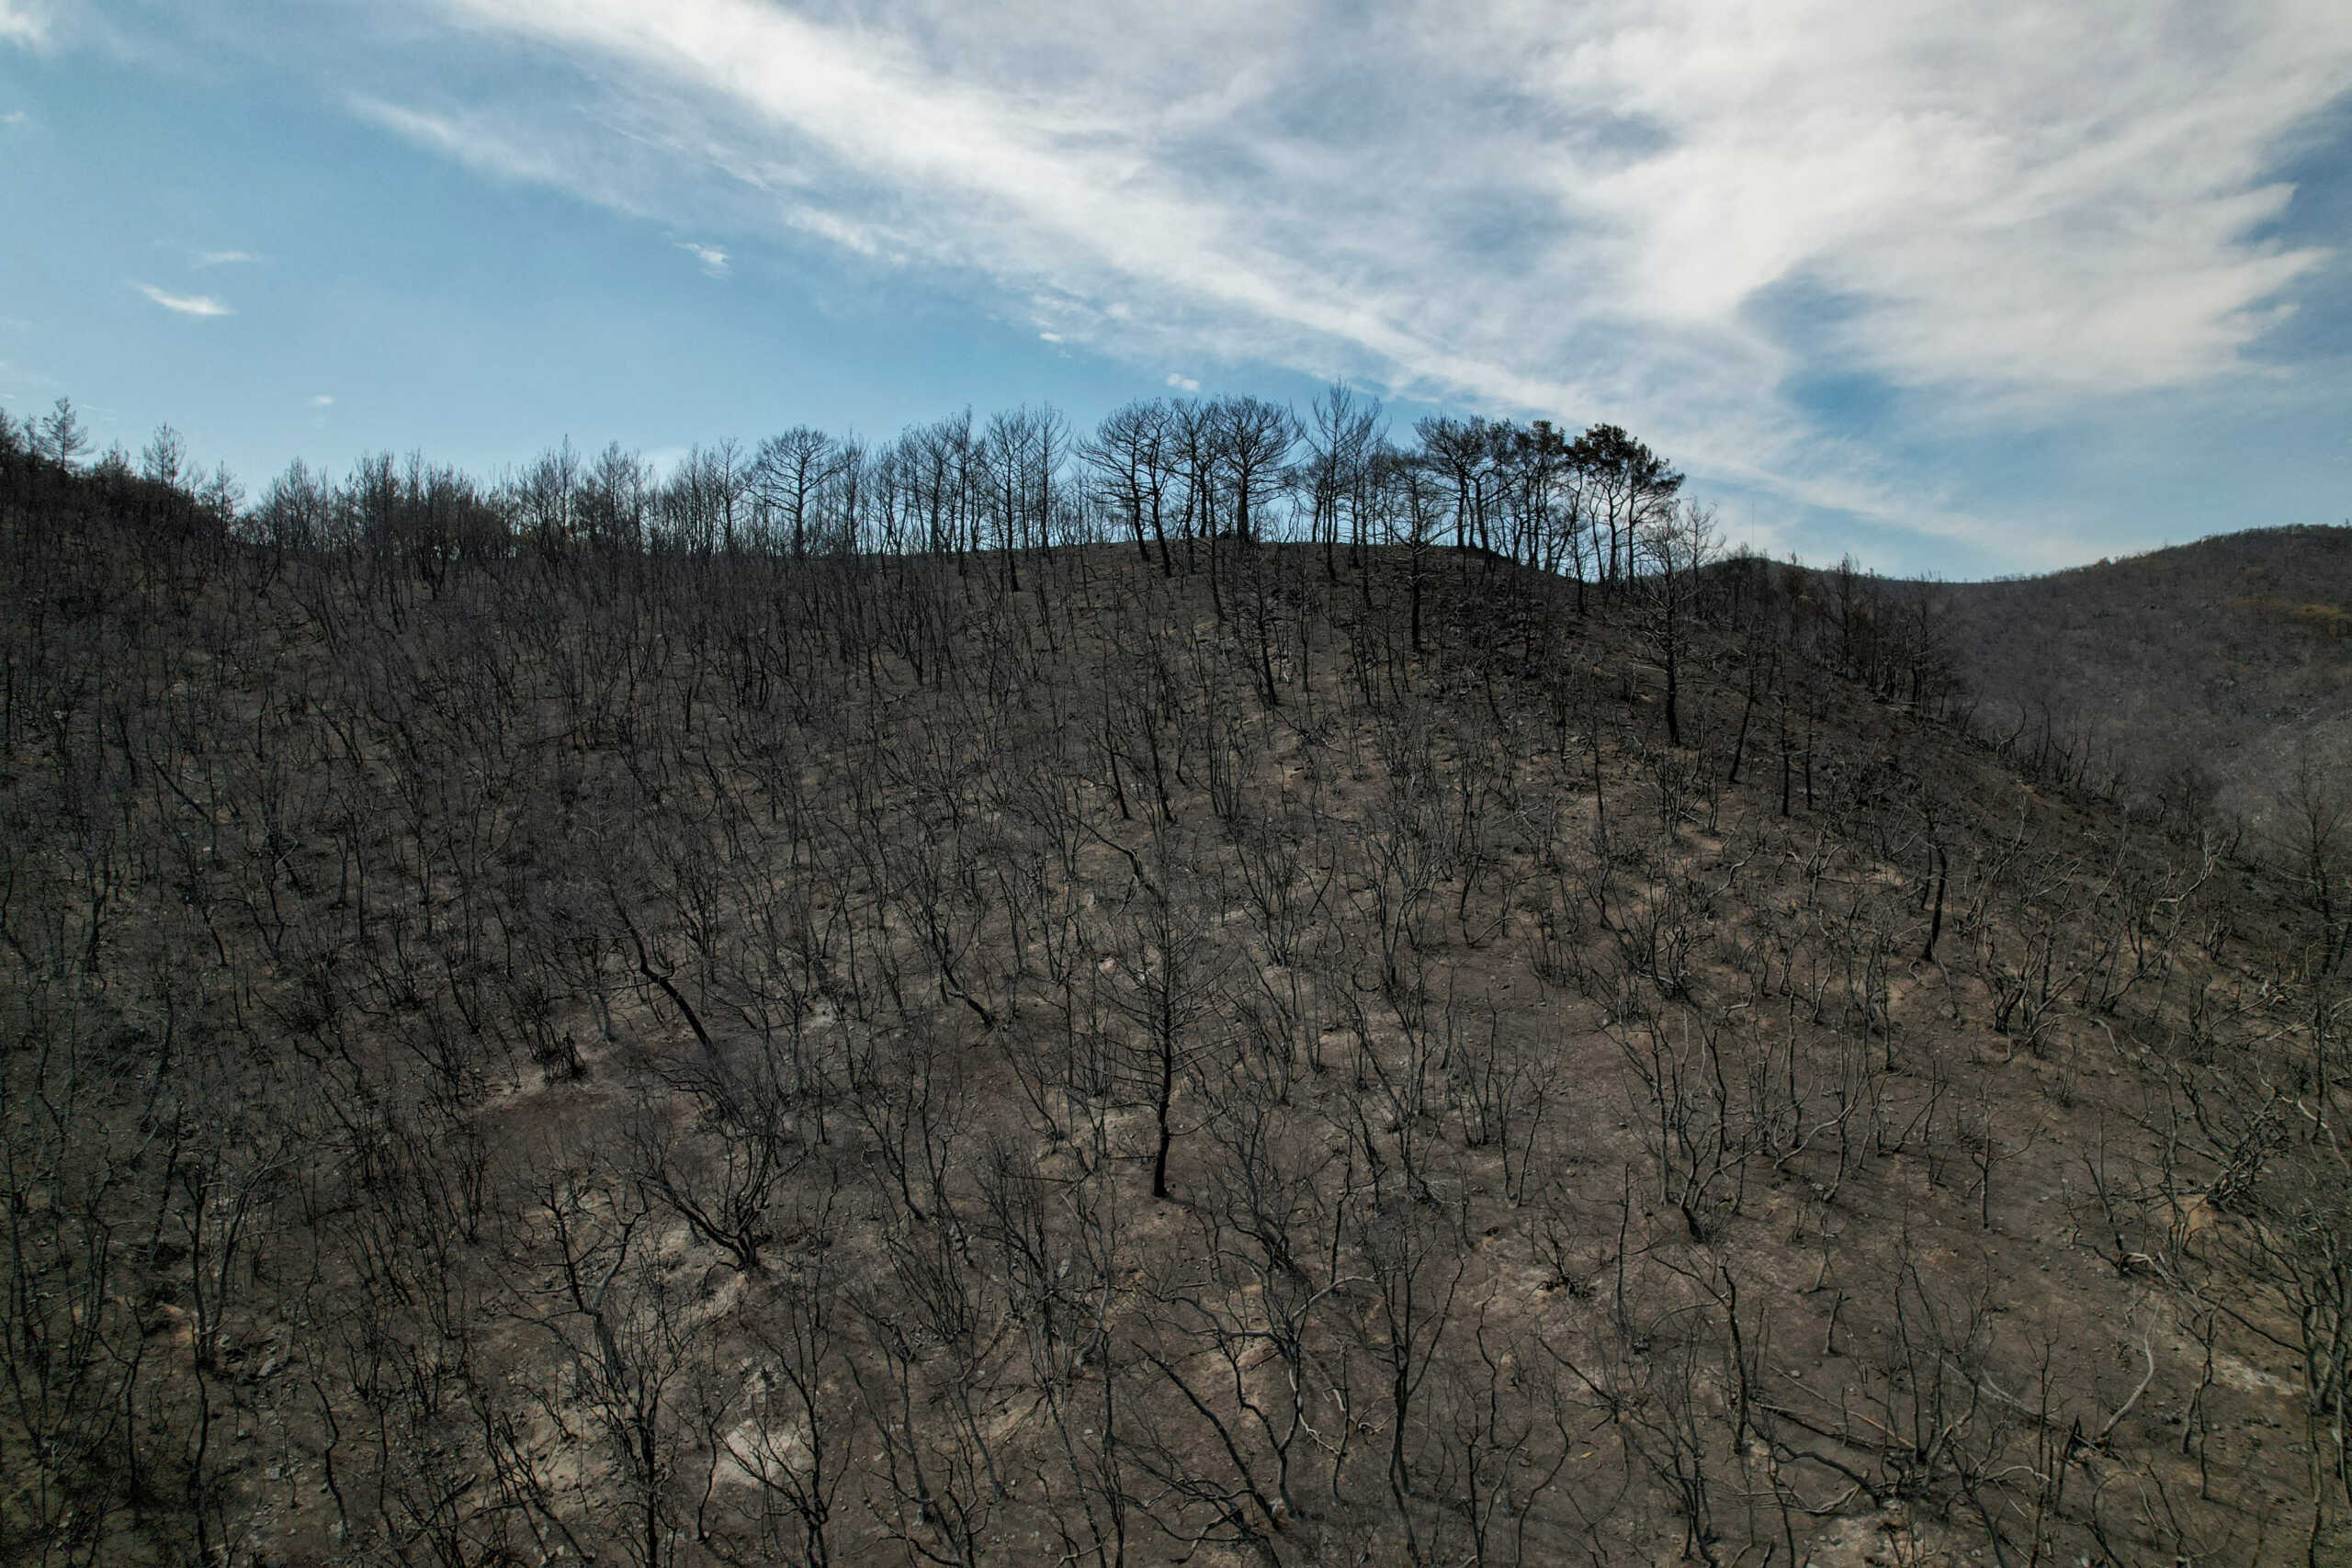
(484, 149)
(714, 260)
(186, 304)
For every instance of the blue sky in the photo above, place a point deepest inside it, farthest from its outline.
(1964, 289)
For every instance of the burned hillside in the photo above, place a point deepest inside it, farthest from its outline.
(1109, 1051)
(2199, 684)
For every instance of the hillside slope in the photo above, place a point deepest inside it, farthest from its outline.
(2228, 657)
(1271, 1056)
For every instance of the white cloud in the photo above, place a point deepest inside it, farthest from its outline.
(25, 22)
(1182, 383)
(224, 258)
(186, 304)
(713, 259)
(14, 117)
(1670, 213)
(2052, 197)
(1659, 213)
(323, 400)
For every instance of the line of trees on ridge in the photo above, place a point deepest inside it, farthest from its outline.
(1173, 476)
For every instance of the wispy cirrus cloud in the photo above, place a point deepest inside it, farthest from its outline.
(186, 304)
(1674, 213)
(1796, 244)
(470, 140)
(224, 258)
(713, 260)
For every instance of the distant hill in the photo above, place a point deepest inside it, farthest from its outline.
(2226, 657)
